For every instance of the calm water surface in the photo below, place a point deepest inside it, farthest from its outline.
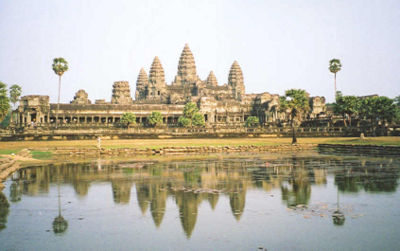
(277, 202)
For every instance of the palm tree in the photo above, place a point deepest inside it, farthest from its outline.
(334, 67)
(60, 65)
(295, 103)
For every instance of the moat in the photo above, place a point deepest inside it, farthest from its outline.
(302, 201)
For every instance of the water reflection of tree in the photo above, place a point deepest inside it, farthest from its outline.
(15, 191)
(297, 189)
(4, 210)
(367, 176)
(60, 225)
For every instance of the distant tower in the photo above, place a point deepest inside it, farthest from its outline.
(235, 81)
(121, 93)
(211, 79)
(186, 67)
(141, 85)
(157, 83)
(81, 98)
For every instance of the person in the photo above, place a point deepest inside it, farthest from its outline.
(99, 142)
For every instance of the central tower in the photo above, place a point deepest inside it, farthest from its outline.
(186, 68)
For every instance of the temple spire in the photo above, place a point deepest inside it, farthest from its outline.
(142, 79)
(235, 80)
(187, 65)
(211, 79)
(141, 83)
(156, 72)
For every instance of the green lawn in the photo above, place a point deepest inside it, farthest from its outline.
(41, 155)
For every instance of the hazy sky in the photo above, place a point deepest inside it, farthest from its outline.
(278, 44)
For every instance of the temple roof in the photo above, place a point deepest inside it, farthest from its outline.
(157, 72)
(235, 75)
(187, 65)
(142, 79)
(211, 79)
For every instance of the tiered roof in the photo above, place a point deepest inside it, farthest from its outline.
(211, 79)
(235, 75)
(187, 65)
(142, 79)
(157, 75)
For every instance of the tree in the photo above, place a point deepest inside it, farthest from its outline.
(334, 67)
(251, 121)
(15, 93)
(189, 110)
(128, 118)
(198, 119)
(377, 109)
(295, 103)
(155, 119)
(184, 122)
(346, 106)
(191, 116)
(4, 101)
(60, 65)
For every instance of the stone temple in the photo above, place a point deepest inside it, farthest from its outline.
(226, 104)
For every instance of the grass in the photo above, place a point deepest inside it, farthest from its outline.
(48, 146)
(8, 151)
(41, 155)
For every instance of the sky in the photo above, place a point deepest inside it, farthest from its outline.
(279, 45)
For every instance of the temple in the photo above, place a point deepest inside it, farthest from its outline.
(226, 104)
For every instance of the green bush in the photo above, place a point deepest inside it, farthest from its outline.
(251, 121)
(128, 118)
(184, 122)
(198, 119)
(155, 119)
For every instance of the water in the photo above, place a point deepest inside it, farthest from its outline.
(277, 202)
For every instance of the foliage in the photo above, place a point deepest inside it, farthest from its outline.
(378, 109)
(191, 116)
(60, 65)
(128, 118)
(15, 93)
(4, 101)
(155, 119)
(397, 100)
(295, 103)
(335, 65)
(346, 106)
(184, 122)
(251, 121)
(189, 110)
(198, 119)
(6, 121)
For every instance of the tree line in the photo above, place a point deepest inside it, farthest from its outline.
(12, 96)
(375, 109)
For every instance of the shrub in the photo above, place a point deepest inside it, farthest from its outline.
(184, 122)
(128, 118)
(198, 119)
(251, 121)
(155, 119)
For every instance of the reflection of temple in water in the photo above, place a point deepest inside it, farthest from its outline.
(191, 183)
(4, 210)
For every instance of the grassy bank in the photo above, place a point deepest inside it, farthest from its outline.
(45, 146)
